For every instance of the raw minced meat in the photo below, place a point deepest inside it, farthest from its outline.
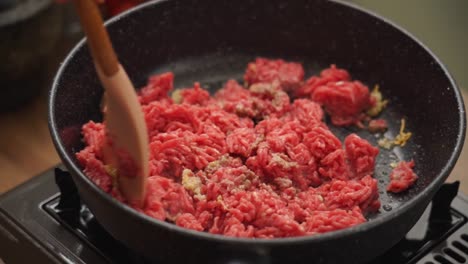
(330, 75)
(377, 125)
(250, 161)
(345, 101)
(402, 177)
(290, 75)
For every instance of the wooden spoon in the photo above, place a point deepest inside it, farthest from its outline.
(126, 132)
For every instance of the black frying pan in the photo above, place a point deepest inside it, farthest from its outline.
(211, 41)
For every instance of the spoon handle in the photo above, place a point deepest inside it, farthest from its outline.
(98, 39)
(126, 147)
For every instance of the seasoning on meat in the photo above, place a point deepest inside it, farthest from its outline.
(249, 161)
(402, 177)
(192, 183)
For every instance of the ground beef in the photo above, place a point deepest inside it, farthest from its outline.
(260, 101)
(345, 101)
(157, 88)
(91, 157)
(361, 156)
(194, 96)
(402, 177)
(330, 75)
(249, 161)
(377, 125)
(290, 75)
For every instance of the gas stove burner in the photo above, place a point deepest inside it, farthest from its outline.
(41, 223)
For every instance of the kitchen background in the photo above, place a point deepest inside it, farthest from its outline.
(37, 34)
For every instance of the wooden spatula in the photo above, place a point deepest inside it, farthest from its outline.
(127, 136)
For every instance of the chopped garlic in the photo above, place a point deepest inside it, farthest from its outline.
(214, 165)
(400, 139)
(403, 137)
(177, 96)
(277, 159)
(380, 103)
(192, 183)
(385, 143)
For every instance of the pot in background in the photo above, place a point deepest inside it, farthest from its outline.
(30, 30)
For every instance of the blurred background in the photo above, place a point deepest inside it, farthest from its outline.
(37, 35)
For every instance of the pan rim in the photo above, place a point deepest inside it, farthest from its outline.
(440, 178)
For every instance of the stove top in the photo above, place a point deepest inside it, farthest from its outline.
(38, 223)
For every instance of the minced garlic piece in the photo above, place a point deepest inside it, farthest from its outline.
(385, 143)
(393, 164)
(212, 166)
(192, 183)
(403, 137)
(276, 158)
(177, 96)
(380, 104)
(400, 139)
(283, 182)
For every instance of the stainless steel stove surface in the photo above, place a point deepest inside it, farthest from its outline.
(38, 224)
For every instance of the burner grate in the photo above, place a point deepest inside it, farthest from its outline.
(454, 250)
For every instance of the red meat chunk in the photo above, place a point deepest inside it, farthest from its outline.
(242, 141)
(234, 98)
(271, 100)
(166, 199)
(361, 156)
(402, 177)
(290, 75)
(174, 151)
(377, 125)
(189, 221)
(94, 168)
(326, 221)
(194, 96)
(308, 113)
(334, 166)
(344, 101)
(321, 142)
(332, 74)
(348, 194)
(260, 101)
(157, 89)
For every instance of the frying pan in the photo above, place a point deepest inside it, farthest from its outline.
(211, 41)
